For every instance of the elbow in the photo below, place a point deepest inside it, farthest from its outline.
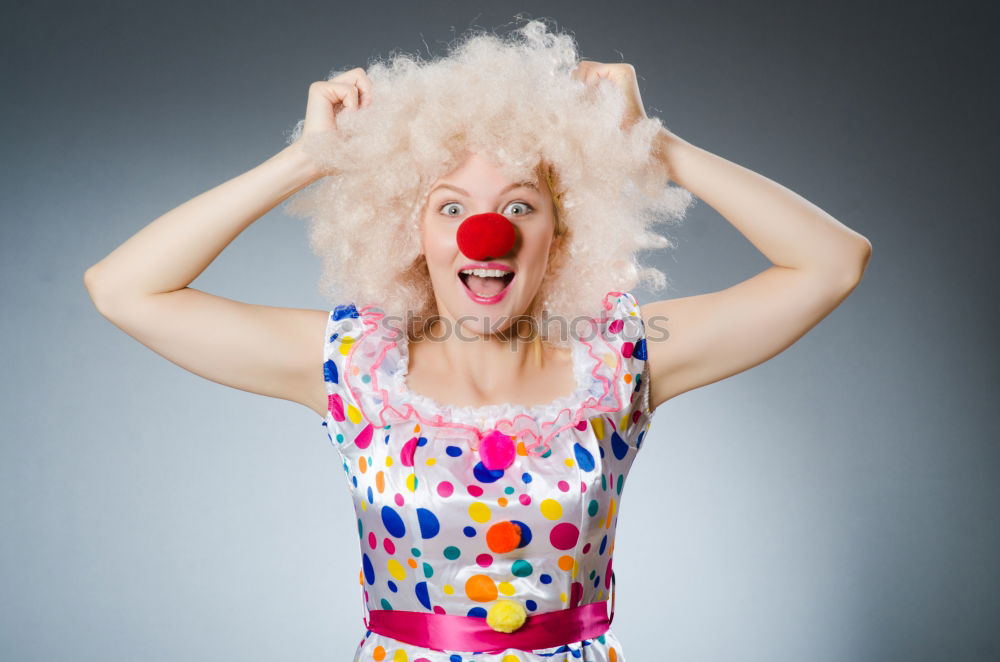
(95, 289)
(88, 281)
(845, 268)
(864, 255)
(856, 262)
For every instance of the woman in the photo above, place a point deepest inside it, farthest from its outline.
(490, 396)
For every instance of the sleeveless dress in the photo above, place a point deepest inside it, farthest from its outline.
(434, 523)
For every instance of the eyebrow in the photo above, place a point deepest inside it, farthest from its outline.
(466, 193)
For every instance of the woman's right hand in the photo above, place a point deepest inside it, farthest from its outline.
(350, 90)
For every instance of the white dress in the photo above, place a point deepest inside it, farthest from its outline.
(434, 523)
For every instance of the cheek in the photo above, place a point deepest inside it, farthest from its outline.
(439, 246)
(539, 242)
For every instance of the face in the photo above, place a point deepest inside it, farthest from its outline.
(477, 187)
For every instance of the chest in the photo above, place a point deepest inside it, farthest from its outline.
(555, 379)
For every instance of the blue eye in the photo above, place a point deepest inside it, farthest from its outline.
(528, 208)
(446, 209)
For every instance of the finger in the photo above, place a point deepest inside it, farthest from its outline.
(365, 86)
(348, 76)
(346, 93)
(321, 98)
(359, 80)
(350, 97)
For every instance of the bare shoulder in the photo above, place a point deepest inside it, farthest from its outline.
(267, 350)
(315, 327)
(698, 340)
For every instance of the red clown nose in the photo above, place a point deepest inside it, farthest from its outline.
(485, 236)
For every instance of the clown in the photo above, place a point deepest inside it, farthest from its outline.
(487, 376)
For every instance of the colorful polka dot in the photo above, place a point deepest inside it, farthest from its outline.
(484, 475)
(564, 535)
(364, 438)
(393, 522)
(368, 569)
(407, 452)
(415, 490)
(479, 511)
(396, 569)
(521, 568)
(422, 595)
(583, 457)
(551, 509)
(428, 521)
(481, 588)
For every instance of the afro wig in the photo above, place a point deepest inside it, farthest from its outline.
(511, 100)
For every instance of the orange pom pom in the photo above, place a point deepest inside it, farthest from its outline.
(503, 537)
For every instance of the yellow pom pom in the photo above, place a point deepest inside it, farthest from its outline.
(506, 616)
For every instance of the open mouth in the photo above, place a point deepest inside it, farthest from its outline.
(486, 284)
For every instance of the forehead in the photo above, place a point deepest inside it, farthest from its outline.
(478, 174)
(445, 185)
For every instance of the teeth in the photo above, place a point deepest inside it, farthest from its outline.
(486, 273)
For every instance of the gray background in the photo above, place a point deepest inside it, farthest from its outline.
(837, 503)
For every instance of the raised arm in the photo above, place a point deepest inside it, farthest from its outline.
(816, 262)
(142, 286)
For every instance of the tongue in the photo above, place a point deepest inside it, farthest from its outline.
(485, 287)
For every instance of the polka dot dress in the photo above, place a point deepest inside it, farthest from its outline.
(441, 528)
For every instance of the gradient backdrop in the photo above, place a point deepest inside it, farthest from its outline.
(838, 503)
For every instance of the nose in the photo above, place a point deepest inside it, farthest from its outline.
(486, 236)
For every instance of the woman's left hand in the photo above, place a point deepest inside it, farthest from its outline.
(622, 74)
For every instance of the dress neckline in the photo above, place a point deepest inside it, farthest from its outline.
(582, 375)
(376, 361)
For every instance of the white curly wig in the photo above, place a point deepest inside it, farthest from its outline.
(511, 100)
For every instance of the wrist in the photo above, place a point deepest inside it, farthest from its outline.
(668, 148)
(301, 164)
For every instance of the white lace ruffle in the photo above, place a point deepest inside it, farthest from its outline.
(377, 364)
(488, 414)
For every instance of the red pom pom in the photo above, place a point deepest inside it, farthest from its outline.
(486, 236)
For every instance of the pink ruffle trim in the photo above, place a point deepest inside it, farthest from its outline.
(382, 355)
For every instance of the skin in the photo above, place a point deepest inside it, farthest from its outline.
(467, 344)
(143, 286)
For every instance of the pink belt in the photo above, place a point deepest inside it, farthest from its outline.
(453, 632)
